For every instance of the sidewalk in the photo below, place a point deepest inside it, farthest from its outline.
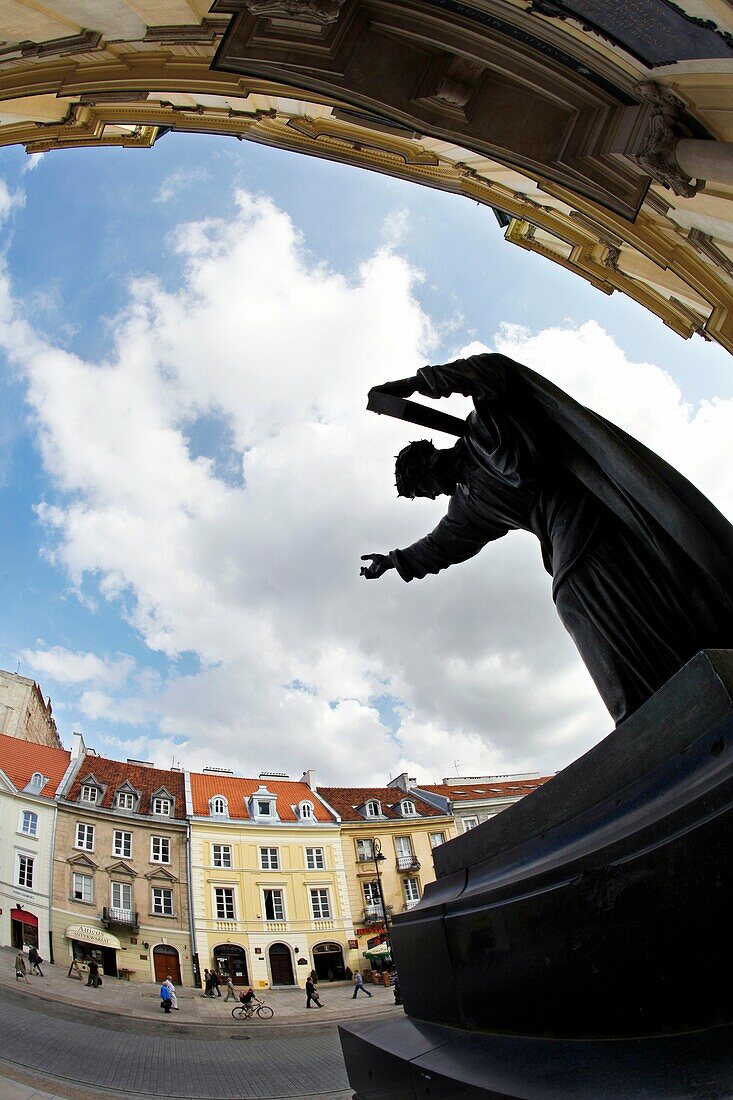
(141, 1000)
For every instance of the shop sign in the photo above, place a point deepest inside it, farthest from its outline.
(370, 930)
(353, 944)
(84, 933)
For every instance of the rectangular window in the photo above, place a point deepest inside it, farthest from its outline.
(315, 859)
(371, 895)
(274, 905)
(122, 844)
(162, 806)
(162, 902)
(89, 794)
(222, 855)
(85, 836)
(224, 901)
(121, 894)
(160, 849)
(320, 905)
(263, 809)
(269, 859)
(29, 823)
(469, 823)
(81, 887)
(405, 856)
(436, 839)
(126, 800)
(364, 851)
(411, 888)
(25, 871)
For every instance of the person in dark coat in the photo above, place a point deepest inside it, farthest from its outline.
(35, 960)
(215, 983)
(640, 559)
(311, 993)
(93, 978)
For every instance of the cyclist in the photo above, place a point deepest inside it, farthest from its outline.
(247, 998)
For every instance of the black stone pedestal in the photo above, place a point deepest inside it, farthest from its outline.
(588, 925)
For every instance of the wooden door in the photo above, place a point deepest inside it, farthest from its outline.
(166, 961)
(281, 965)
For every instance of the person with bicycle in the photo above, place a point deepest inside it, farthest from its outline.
(247, 998)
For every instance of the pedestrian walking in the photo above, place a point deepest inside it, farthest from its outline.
(311, 994)
(231, 992)
(168, 983)
(93, 979)
(215, 983)
(166, 1000)
(20, 968)
(208, 984)
(359, 985)
(35, 960)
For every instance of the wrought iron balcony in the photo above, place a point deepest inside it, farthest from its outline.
(411, 903)
(408, 863)
(126, 917)
(373, 914)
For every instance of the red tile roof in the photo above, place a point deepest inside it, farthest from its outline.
(347, 800)
(473, 790)
(20, 759)
(237, 791)
(147, 781)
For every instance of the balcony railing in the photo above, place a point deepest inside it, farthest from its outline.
(408, 863)
(373, 914)
(112, 915)
(412, 903)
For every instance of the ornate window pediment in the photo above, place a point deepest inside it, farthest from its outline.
(121, 868)
(81, 862)
(160, 874)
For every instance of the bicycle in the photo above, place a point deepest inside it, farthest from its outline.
(255, 1007)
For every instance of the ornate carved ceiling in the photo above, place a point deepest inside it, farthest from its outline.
(565, 117)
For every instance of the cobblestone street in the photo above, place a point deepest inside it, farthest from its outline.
(62, 1039)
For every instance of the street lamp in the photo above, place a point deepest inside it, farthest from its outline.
(379, 857)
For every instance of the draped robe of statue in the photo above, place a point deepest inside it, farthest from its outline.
(641, 561)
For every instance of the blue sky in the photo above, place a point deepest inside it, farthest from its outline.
(181, 560)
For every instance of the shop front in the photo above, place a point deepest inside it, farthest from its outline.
(231, 962)
(87, 943)
(23, 928)
(328, 962)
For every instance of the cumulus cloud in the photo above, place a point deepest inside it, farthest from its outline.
(216, 478)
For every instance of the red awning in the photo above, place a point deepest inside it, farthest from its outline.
(24, 916)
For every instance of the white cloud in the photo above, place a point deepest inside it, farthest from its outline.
(258, 574)
(64, 666)
(9, 200)
(33, 161)
(178, 181)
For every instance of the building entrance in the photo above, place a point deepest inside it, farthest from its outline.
(23, 928)
(281, 965)
(231, 962)
(166, 961)
(328, 962)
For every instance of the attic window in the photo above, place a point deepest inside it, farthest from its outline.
(372, 809)
(306, 811)
(125, 800)
(162, 806)
(89, 793)
(218, 806)
(408, 808)
(264, 809)
(37, 780)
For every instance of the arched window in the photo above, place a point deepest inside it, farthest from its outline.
(38, 780)
(408, 807)
(372, 809)
(218, 806)
(29, 823)
(306, 811)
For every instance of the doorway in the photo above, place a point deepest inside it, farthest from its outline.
(281, 965)
(328, 962)
(166, 961)
(231, 962)
(23, 929)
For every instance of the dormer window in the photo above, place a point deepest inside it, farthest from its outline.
(305, 811)
(218, 806)
(408, 808)
(373, 809)
(89, 793)
(162, 806)
(38, 781)
(125, 800)
(263, 805)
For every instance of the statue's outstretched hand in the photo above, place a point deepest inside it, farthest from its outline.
(380, 564)
(403, 387)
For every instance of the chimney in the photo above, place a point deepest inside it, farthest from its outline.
(401, 782)
(78, 748)
(309, 778)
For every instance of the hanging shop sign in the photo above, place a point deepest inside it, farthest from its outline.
(84, 933)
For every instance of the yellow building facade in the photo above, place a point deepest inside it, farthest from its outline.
(402, 829)
(269, 890)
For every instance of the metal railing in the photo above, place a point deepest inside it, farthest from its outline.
(408, 863)
(412, 903)
(113, 915)
(374, 914)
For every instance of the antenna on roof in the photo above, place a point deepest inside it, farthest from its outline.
(459, 764)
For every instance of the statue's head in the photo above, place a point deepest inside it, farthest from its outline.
(422, 470)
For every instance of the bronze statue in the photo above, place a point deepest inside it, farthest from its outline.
(641, 561)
